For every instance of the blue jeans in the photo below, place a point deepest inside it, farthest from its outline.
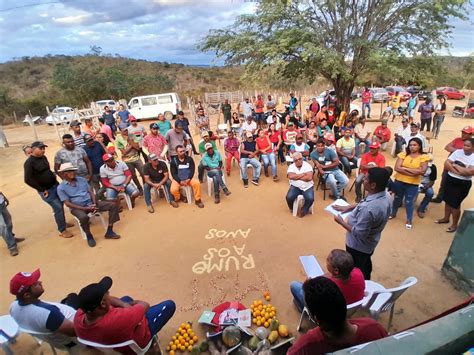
(6, 227)
(296, 289)
(216, 176)
(364, 106)
(111, 194)
(147, 192)
(346, 163)
(404, 191)
(337, 181)
(429, 192)
(269, 159)
(57, 206)
(293, 194)
(157, 315)
(357, 147)
(256, 168)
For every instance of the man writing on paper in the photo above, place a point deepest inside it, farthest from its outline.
(368, 219)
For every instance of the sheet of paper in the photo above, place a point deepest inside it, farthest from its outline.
(338, 202)
(245, 318)
(206, 317)
(311, 266)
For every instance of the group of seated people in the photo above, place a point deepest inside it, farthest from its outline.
(92, 314)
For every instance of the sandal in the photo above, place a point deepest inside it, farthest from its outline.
(440, 221)
(451, 230)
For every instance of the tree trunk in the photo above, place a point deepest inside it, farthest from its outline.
(343, 90)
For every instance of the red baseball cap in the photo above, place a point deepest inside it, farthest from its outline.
(22, 281)
(107, 157)
(131, 118)
(468, 130)
(374, 145)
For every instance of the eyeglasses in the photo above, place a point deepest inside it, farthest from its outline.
(297, 159)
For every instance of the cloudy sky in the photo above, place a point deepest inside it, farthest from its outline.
(158, 30)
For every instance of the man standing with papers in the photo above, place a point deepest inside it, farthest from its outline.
(367, 220)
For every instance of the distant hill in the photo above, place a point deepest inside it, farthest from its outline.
(35, 82)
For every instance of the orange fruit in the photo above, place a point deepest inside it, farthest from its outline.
(195, 338)
(172, 352)
(191, 342)
(173, 347)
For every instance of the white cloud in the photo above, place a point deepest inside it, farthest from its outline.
(72, 20)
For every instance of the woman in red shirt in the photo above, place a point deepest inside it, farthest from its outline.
(275, 137)
(265, 148)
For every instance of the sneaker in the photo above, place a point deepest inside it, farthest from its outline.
(227, 192)
(436, 200)
(150, 209)
(69, 225)
(255, 182)
(19, 240)
(14, 251)
(91, 242)
(421, 214)
(246, 183)
(111, 235)
(174, 204)
(199, 204)
(65, 234)
(408, 226)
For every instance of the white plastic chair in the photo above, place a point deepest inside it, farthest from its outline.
(157, 193)
(9, 330)
(298, 203)
(351, 309)
(41, 337)
(222, 130)
(188, 190)
(384, 300)
(210, 183)
(97, 214)
(130, 343)
(127, 199)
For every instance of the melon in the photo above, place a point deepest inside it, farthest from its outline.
(262, 332)
(231, 336)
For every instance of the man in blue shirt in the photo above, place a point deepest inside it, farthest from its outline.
(327, 163)
(94, 151)
(75, 193)
(212, 162)
(109, 118)
(367, 220)
(123, 114)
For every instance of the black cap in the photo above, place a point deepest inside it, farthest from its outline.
(180, 113)
(75, 123)
(88, 137)
(90, 296)
(38, 144)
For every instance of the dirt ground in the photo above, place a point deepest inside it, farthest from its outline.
(169, 255)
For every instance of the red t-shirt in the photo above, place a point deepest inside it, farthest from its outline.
(367, 158)
(259, 105)
(262, 143)
(117, 326)
(274, 137)
(366, 96)
(352, 289)
(458, 143)
(315, 342)
(385, 133)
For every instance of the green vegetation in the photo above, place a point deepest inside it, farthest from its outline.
(340, 40)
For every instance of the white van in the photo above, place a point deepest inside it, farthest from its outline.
(149, 106)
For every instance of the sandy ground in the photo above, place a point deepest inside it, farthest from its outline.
(158, 255)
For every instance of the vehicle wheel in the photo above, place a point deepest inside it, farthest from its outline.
(168, 115)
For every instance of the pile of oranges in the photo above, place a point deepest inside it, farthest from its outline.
(183, 340)
(262, 314)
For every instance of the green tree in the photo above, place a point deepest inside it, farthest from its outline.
(337, 39)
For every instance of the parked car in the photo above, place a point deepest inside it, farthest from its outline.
(403, 93)
(149, 106)
(35, 120)
(61, 115)
(450, 93)
(321, 96)
(102, 103)
(414, 89)
(379, 95)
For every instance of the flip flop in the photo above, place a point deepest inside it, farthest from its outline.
(451, 230)
(439, 221)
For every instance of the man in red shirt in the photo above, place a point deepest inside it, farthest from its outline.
(383, 134)
(341, 271)
(105, 319)
(327, 305)
(369, 160)
(457, 143)
(366, 101)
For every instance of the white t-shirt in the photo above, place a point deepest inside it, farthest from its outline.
(43, 317)
(361, 130)
(246, 108)
(116, 176)
(249, 127)
(467, 160)
(404, 132)
(305, 168)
